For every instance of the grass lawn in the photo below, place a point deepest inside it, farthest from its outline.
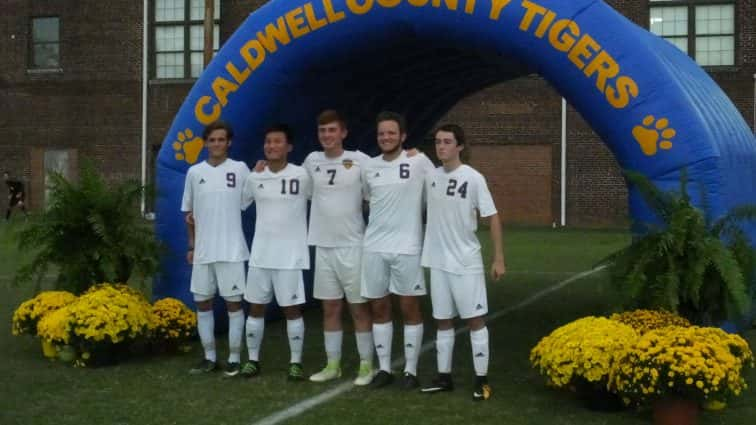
(159, 390)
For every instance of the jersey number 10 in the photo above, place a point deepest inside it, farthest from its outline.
(293, 186)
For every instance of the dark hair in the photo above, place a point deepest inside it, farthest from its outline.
(218, 125)
(331, 115)
(459, 134)
(392, 116)
(281, 128)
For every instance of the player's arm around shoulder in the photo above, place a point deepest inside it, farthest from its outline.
(243, 170)
(364, 172)
(309, 162)
(426, 165)
(248, 190)
(362, 157)
(306, 179)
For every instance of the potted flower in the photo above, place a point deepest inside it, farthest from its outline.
(28, 315)
(580, 356)
(174, 324)
(107, 318)
(675, 369)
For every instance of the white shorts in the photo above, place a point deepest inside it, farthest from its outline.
(224, 277)
(337, 274)
(384, 273)
(463, 294)
(287, 285)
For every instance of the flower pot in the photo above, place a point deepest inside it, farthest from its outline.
(67, 353)
(597, 398)
(675, 412)
(714, 405)
(48, 349)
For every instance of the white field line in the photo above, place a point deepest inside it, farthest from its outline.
(309, 403)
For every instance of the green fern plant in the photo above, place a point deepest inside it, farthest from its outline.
(697, 268)
(90, 232)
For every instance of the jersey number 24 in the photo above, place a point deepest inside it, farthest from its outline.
(452, 189)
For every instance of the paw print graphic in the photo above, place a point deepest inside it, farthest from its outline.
(187, 147)
(654, 134)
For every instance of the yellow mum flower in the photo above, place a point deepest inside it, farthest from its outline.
(707, 361)
(586, 349)
(173, 321)
(30, 312)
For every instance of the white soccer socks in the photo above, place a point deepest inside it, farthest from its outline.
(365, 346)
(444, 349)
(206, 330)
(413, 341)
(235, 331)
(295, 330)
(333, 346)
(479, 343)
(255, 331)
(382, 335)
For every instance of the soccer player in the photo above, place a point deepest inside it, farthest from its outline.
(16, 195)
(336, 231)
(392, 245)
(451, 250)
(279, 248)
(217, 249)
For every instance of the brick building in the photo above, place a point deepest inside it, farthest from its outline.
(71, 87)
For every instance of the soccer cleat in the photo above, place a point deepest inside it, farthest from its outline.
(330, 372)
(205, 366)
(409, 381)
(365, 374)
(232, 369)
(442, 383)
(381, 379)
(250, 369)
(482, 392)
(296, 373)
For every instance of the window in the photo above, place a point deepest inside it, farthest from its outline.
(45, 45)
(704, 29)
(179, 37)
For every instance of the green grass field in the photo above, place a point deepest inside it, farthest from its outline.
(159, 390)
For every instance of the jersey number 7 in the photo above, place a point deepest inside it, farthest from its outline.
(333, 175)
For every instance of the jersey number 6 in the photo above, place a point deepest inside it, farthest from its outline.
(404, 171)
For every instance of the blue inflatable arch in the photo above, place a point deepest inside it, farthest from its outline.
(655, 109)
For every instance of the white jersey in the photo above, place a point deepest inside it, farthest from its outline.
(214, 197)
(453, 198)
(336, 211)
(395, 191)
(280, 240)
